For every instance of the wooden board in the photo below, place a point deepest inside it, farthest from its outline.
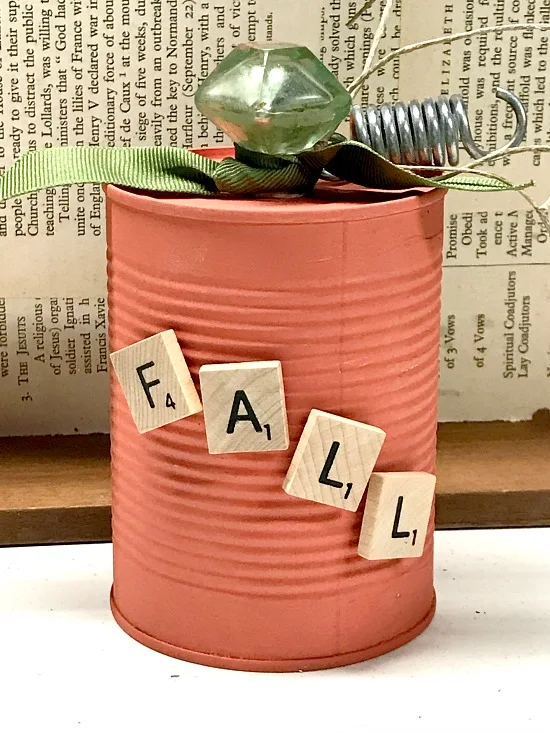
(489, 475)
(54, 489)
(494, 474)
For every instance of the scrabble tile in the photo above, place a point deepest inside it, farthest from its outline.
(244, 407)
(397, 512)
(156, 381)
(334, 460)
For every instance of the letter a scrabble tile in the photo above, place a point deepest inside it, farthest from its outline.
(244, 407)
(156, 381)
(334, 460)
(397, 512)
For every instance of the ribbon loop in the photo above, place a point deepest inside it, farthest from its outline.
(178, 170)
(252, 173)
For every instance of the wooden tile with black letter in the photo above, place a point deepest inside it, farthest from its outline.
(397, 512)
(156, 381)
(333, 461)
(244, 407)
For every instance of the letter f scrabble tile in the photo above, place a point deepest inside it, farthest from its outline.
(333, 460)
(156, 381)
(397, 512)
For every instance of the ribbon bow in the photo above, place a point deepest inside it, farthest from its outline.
(178, 170)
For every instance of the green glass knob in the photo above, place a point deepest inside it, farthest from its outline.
(273, 98)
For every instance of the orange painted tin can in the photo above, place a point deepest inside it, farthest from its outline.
(213, 562)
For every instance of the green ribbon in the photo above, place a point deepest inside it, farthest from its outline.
(179, 170)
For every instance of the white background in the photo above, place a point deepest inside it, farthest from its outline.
(483, 664)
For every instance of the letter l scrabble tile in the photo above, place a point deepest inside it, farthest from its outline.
(397, 512)
(333, 460)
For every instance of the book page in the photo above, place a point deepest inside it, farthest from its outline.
(495, 336)
(124, 73)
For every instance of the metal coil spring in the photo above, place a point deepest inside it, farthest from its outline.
(426, 133)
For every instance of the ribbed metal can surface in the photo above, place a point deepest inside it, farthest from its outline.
(213, 561)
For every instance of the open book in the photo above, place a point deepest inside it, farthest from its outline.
(124, 73)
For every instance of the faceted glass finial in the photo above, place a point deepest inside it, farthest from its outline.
(273, 98)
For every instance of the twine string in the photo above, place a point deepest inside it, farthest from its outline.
(378, 35)
(371, 66)
(359, 13)
(358, 82)
(539, 210)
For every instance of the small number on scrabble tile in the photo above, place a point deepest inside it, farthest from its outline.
(333, 460)
(156, 381)
(244, 407)
(397, 512)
